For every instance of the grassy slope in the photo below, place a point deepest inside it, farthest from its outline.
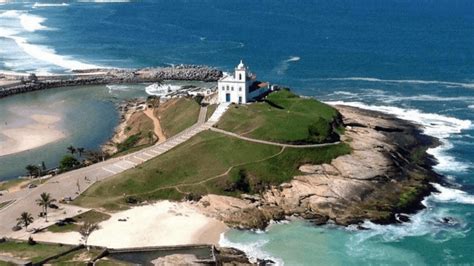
(284, 118)
(195, 167)
(178, 114)
(34, 253)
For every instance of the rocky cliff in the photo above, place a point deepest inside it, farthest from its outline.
(387, 173)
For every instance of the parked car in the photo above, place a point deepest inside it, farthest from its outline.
(32, 185)
(53, 206)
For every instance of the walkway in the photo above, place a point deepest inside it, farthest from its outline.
(72, 183)
(156, 125)
(274, 143)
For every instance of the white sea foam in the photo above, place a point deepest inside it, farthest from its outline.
(408, 81)
(37, 5)
(451, 195)
(115, 87)
(436, 125)
(253, 250)
(471, 106)
(293, 59)
(285, 64)
(32, 23)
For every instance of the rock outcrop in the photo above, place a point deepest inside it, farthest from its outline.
(387, 172)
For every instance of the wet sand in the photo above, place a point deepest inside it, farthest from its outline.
(41, 132)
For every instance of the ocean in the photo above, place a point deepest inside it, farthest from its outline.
(414, 59)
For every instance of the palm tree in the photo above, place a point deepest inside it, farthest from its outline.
(71, 149)
(25, 219)
(86, 230)
(80, 151)
(44, 201)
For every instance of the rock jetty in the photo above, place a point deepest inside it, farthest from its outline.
(20, 84)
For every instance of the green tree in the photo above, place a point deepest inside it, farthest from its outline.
(44, 201)
(32, 170)
(86, 230)
(71, 149)
(80, 151)
(25, 219)
(68, 162)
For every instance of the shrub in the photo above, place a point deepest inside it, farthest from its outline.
(68, 162)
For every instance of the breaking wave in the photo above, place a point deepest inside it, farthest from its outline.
(253, 249)
(37, 5)
(408, 81)
(451, 195)
(285, 64)
(14, 26)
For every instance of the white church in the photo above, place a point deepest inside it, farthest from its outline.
(241, 87)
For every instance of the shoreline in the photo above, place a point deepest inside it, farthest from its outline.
(380, 181)
(34, 135)
(163, 223)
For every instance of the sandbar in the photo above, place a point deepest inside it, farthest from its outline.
(41, 132)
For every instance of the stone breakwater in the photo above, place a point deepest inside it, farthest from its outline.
(387, 174)
(21, 84)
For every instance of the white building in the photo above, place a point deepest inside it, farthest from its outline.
(241, 87)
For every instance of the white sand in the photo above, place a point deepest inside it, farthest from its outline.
(161, 224)
(37, 134)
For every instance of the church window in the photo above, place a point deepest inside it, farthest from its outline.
(240, 88)
(232, 88)
(240, 76)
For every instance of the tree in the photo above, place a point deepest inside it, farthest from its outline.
(80, 151)
(68, 162)
(71, 149)
(32, 170)
(86, 230)
(25, 219)
(44, 201)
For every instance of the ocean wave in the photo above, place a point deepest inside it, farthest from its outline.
(285, 64)
(32, 23)
(451, 195)
(253, 249)
(115, 87)
(408, 81)
(435, 125)
(37, 5)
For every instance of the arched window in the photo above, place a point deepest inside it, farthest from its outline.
(240, 88)
(240, 76)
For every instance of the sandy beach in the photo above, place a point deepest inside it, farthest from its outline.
(41, 132)
(163, 223)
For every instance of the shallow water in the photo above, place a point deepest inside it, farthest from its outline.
(411, 58)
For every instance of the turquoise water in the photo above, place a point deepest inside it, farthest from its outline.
(414, 59)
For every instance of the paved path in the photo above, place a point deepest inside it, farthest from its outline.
(274, 143)
(72, 183)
